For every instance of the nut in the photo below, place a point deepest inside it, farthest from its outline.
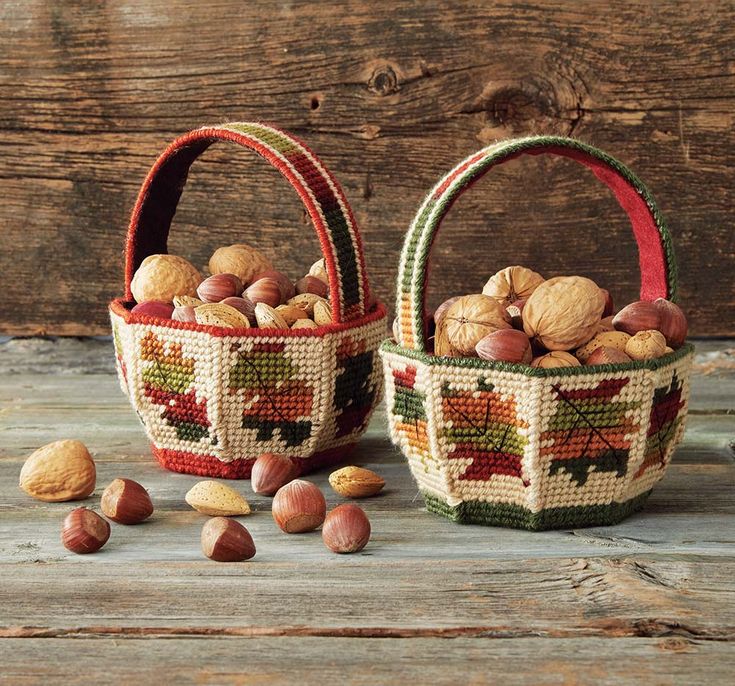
(515, 312)
(291, 314)
(186, 301)
(563, 312)
(271, 471)
(396, 329)
(217, 287)
(467, 321)
(356, 482)
(611, 339)
(606, 324)
(219, 314)
(125, 501)
(161, 277)
(264, 291)
(306, 302)
(609, 305)
(646, 345)
(322, 313)
(511, 284)
(241, 260)
(668, 350)
(299, 506)
(441, 311)
(346, 529)
(243, 305)
(638, 316)
(268, 318)
(185, 313)
(312, 284)
(507, 345)
(84, 531)
(217, 500)
(606, 354)
(284, 283)
(319, 270)
(555, 359)
(672, 322)
(225, 540)
(154, 308)
(304, 324)
(59, 471)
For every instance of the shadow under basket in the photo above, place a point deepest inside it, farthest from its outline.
(213, 399)
(512, 445)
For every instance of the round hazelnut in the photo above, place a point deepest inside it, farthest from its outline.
(271, 472)
(299, 506)
(346, 529)
(225, 540)
(126, 502)
(84, 531)
(672, 322)
(638, 316)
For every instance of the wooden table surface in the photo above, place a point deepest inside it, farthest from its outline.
(650, 601)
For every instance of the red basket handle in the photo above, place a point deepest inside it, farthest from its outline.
(656, 254)
(319, 191)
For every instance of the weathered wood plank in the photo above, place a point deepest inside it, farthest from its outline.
(391, 102)
(355, 662)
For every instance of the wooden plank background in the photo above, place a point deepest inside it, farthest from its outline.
(391, 95)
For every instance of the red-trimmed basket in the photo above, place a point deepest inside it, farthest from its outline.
(513, 445)
(212, 399)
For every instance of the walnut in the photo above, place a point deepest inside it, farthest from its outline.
(554, 359)
(564, 312)
(241, 260)
(466, 322)
(161, 277)
(512, 283)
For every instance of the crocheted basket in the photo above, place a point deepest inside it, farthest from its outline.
(212, 399)
(512, 445)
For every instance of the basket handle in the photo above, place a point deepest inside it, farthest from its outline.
(656, 254)
(319, 191)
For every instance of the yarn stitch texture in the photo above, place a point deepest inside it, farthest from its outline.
(507, 444)
(212, 399)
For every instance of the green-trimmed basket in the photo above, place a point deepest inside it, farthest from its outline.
(512, 445)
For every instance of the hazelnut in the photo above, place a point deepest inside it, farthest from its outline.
(606, 324)
(271, 471)
(515, 312)
(312, 284)
(563, 312)
(268, 318)
(356, 482)
(511, 284)
(507, 345)
(346, 529)
(555, 359)
(264, 291)
(154, 308)
(291, 314)
(304, 324)
(219, 314)
(638, 316)
(469, 319)
(299, 506)
(225, 540)
(284, 283)
(609, 305)
(216, 500)
(241, 260)
(322, 313)
(185, 313)
(217, 287)
(646, 345)
(84, 531)
(606, 354)
(126, 502)
(319, 270)
(243, 305)
(612, 339)
(672, 322)
(59, 471)
(161, 277)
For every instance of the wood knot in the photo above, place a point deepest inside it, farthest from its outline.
(515, 108)
(383, 81)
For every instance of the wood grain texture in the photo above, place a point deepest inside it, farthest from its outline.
(391, 97)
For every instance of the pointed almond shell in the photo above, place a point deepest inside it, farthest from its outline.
(217, 500)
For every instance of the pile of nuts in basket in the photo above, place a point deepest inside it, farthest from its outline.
(566, 321)
(243, 291)
(64, 470)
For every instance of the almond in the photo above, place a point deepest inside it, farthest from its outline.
(356, 482)
(217, 500)
(59, 471)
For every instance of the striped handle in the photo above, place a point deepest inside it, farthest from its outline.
(656, 255)
(317, 188)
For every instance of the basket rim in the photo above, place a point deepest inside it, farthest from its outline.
(119, 307)
(431, 360)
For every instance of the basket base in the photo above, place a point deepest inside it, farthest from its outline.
(516, 517)
(206, 465)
